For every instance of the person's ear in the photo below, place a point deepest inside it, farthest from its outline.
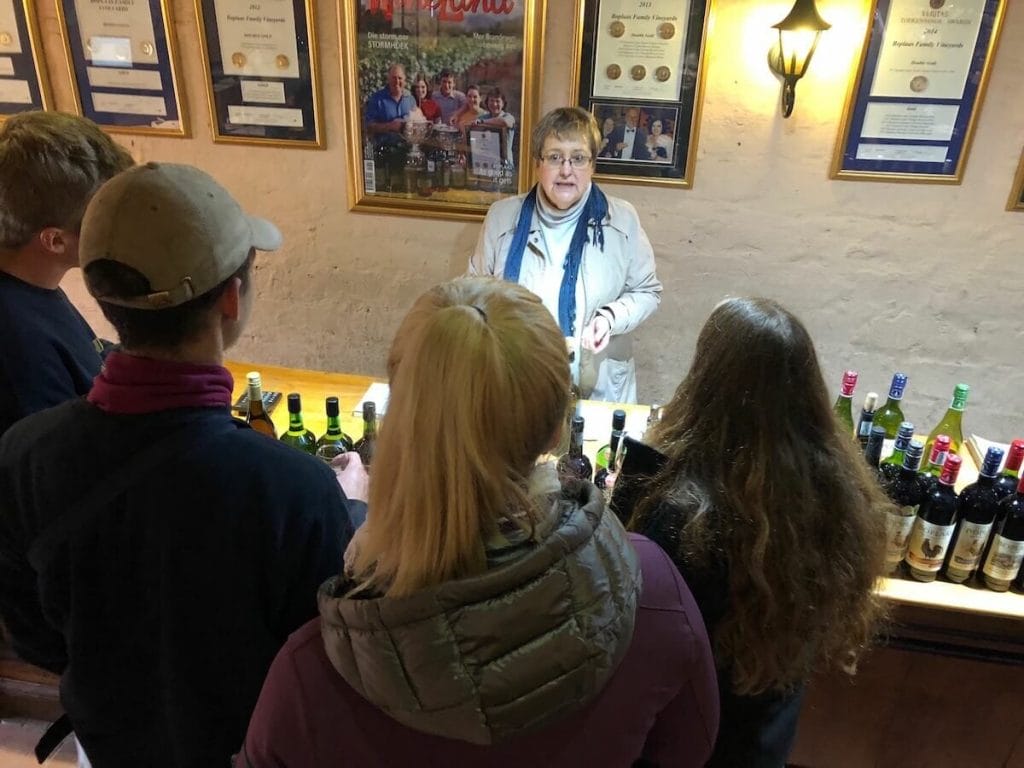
(54, 240)
(230, 301)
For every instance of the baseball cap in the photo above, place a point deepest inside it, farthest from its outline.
(176, 226)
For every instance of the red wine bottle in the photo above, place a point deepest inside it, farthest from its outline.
(873, 449)
(1003, 561)
(905, 491)
(1006, 483)
(574, 464)
(977, 506)
(937, 456)
(934, 524)
(366, 444)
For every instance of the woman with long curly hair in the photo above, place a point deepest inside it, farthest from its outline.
(771, 515)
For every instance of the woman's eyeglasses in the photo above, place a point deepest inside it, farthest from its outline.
(556, 159)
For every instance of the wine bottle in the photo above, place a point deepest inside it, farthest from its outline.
(934, 524)
(297, 435)
(873, 449)
(906, 491)
(606, 455)
(574, 464)
(937, 457)
(976, 509)
(333, 442)
(952, 421)
(890, 466)
(1003, 561)
(1006, 483)
(366, 444)
(867, 417)
(843, 407)
(890, 415)
(256, 416)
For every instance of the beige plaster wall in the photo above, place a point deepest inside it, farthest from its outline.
(923, 278)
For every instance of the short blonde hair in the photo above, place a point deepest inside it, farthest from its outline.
(50, 166)
(479, 378)
(567, 123)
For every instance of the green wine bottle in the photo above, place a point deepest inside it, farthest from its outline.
(297, 435)
(368, 442)
(333, 442)
(890, 415)
(607, 450)
(952, 422)
(256, 416)
(844, 403)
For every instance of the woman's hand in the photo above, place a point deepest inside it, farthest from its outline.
(352, 476)
(596, 335)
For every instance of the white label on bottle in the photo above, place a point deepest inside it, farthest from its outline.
(928, 543)
(864, 428)
(970, 542)
(369, 177)
(897, 530)
(1004, 558)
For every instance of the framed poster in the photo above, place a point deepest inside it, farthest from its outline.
(122, 62)
(1016, 201)
(261, 60)
(440, 99)
(23, 82)
(640, 70)
(911, 109)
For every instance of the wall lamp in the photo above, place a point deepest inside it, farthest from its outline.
(791, 55)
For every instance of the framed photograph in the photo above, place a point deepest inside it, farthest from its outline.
(261, 60)
(440, 99)
(122, 59)
(23, 82)
(1016, 201)
(640, 70)
(912, 107)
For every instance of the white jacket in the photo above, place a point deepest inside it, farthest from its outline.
(619, 280)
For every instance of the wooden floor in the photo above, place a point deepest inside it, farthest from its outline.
(17, 740)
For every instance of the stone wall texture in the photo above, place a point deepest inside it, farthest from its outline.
(923, 278)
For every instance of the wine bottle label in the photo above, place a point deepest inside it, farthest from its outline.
(970, 543)
(897, 531)
(864, 428)
(928, 543)
(1004, 558)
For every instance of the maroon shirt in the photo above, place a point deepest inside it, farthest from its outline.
(661, 704)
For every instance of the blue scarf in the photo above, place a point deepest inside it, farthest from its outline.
(594, 211)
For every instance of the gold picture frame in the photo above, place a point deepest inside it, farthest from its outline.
(418, 168)
(1016, 201)
(105, 80)
(655, 89)
(257, 98)
(912, 107)
(28, 65)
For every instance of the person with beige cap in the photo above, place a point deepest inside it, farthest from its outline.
(154, 550)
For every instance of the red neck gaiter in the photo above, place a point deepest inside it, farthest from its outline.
(132, 385)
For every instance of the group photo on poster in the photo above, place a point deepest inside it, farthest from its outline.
(440, 102)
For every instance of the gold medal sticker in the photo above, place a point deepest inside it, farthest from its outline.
(638, 72)
(282, 61)
(147, 48)
(6, 38)
(238, 59)
(663, 74)
(614, 71)
(666, 30)
(616, 29)
(919, 83)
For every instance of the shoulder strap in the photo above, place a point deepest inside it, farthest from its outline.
(178, 444)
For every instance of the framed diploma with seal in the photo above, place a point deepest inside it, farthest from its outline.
(440, 99)
(911, 109)
(262, 79)
(640, 70)
(122, 61)
(1016, 201)
(23, 82)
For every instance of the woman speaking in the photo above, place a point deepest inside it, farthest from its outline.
(584, 253)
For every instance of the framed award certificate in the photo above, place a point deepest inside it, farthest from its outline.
(1016, 201)
(122, 61)
(640, 70)
(912, 107)
(260, 58)
(23, 82)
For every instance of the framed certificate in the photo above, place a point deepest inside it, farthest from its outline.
(1016, 201)
(23, 82)
(261, 61)
(122, 61)
(640, 70)
(440, 100)
(911, 109)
